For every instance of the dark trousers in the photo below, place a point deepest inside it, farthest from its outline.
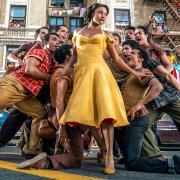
(74, 159)
(16, 118)
(116, 150)
(133, 135)
(118, 145)
(10, 126)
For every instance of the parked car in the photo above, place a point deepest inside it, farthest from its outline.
(3, 116)
(167, 133)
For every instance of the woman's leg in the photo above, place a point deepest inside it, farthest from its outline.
(108, 132)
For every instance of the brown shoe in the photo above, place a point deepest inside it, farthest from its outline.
(38, 162)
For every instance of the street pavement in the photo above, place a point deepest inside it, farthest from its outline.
(91, 170)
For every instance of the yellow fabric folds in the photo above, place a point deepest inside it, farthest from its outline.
(95, 95)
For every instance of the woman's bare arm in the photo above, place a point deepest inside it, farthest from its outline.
(120, 62)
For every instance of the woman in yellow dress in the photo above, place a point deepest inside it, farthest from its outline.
(96, 100)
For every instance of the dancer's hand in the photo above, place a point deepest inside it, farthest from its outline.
(53, 119)
(144, 73)
(138, 109)
(63, 138)
(67, 71)
(62, 134)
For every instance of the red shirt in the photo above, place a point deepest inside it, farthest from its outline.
(34, 85)
(155, 52)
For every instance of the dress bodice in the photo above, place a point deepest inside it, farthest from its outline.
(90, 48)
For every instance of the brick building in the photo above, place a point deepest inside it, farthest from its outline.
(166, 13)
(20, 18)
(136, 12)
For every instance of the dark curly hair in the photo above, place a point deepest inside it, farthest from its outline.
(47, 36)
(143, 54)
(61, 53)
(144, 28)
(130, 28)
(92, 8)
(117, 35)
(39, 29)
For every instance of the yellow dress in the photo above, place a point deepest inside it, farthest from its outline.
(95, 95)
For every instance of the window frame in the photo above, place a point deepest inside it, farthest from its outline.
(76, 3)
(129, 17)
(13, 47)
(50, 5)
(53, 26)
(160, 12)
(76, 18)
(16, 18)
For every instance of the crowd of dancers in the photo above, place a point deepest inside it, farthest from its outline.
(94, 83)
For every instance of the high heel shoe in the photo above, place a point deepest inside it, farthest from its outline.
(109, 170)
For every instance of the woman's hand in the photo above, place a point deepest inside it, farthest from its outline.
(67, 71)
(144, 73)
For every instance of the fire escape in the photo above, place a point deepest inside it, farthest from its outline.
(169, 5)
(171, 38)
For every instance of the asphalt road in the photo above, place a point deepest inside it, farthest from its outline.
(91, 170)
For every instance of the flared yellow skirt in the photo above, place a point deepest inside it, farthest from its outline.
(95, 97)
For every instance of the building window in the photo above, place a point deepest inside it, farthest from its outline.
(57, 3)
(10, 49)
(160, 16)
(122, 17)
(75, 3)
(75, 23)
(17, 16)
(55, 21)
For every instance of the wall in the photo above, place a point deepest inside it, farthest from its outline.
(2, 10)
